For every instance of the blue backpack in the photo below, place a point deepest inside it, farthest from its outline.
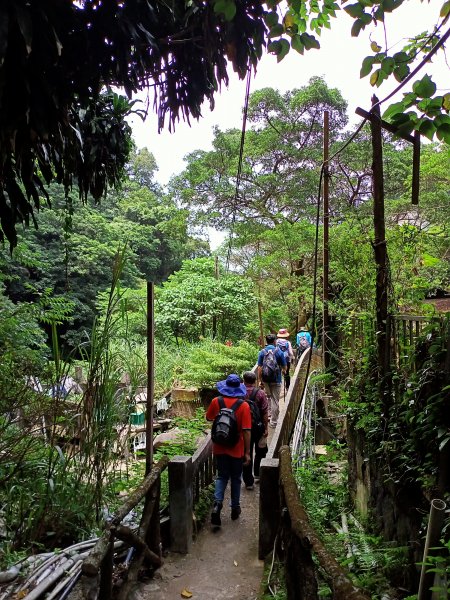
(283, 345)
(270, 367)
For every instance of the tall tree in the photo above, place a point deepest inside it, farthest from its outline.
(196, 299)
(282, 152)
(73, 251)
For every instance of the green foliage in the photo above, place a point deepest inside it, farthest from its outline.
(419, 423)
(185, 444)
(325, 495)
(416, 430)
(21, 338)
(210, 362)
(69, 261)
(421, 109)
(323, 500)
(273, 235)
(196, 302)
(54, 101)
(438, 562)
(274, 581)
(202, 509)
(283, 151)
(54, 490)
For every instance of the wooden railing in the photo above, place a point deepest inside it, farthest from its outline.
(403, 332)
(203, 468)
(293, 400)
(97, 568)
(284, 528)
(188, 476)
(299, 541)
(269, 507)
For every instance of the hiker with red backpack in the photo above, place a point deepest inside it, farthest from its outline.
(259, 408)
(230, 433)
(271, 365)
(286, 347)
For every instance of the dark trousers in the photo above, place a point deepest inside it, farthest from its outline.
(228, 468)
(253, 468)
(287, 377)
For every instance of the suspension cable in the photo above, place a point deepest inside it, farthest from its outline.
(239, 169)
(314, 305)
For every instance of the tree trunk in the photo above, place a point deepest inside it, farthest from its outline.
(380, 253)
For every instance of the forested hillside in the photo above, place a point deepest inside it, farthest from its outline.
(73, 293)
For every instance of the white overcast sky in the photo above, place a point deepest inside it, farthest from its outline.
(338, 61)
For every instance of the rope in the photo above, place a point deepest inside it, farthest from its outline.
(239, 170)
(314, 306)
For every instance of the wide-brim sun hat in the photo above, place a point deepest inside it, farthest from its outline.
(232, 386)
(283, 333)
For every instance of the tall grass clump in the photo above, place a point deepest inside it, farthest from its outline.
(57, 451)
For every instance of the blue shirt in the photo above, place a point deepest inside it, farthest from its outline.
(279, 356)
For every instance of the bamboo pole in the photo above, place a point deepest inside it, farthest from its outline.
(437, 514)
(52, 578)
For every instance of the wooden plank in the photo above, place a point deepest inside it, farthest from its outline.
(384, 124)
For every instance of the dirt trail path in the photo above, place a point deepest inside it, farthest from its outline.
(222, 564)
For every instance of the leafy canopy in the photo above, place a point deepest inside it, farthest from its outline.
(58, 60)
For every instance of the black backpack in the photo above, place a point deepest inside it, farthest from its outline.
(257, 422)
(225, 430)
(270, 367)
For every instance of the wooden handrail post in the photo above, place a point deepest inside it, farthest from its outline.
(269, 505)
(106, 572)
(180, 503)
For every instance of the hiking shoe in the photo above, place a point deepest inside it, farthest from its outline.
(256, 479)
(248, 487)
(215, 515)
(235, 512)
